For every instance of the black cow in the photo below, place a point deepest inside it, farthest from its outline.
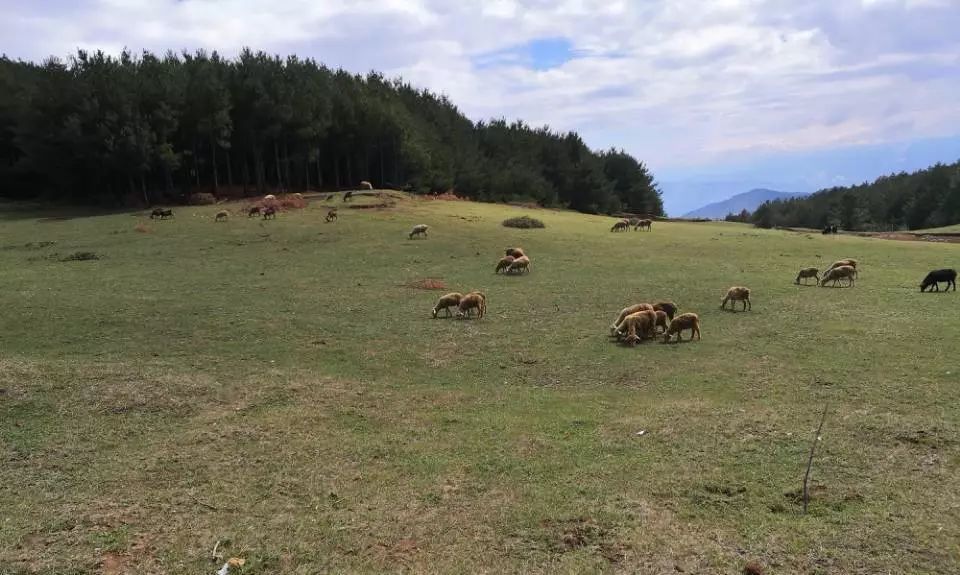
(936, 276)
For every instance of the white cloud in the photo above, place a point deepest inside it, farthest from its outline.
(674, 81)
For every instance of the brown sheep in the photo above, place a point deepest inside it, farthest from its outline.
(668, 307)
(503, 264)
(683, 321)
(221, 216)
(620, 226)
(638, 326)
(628, 311)
(808, 273)
(663, 320)
(472, 301)
(838, 273)
(735, 294)
(254, 211)
(838, 263)
(515, 252)
(519, 265)
(446, 302)
(331, 215)
(270, 213)
(644, 225)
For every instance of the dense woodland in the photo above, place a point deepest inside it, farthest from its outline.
(924, 199)
(147, 129)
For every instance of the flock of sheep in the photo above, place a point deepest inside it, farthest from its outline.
(838, 270)
(625, 224)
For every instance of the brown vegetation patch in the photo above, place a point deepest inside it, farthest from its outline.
(142, 228)
(377, 206)
(428, 283)
(584, 533)
(448, 196)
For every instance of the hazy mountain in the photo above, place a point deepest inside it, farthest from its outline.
(746, 201)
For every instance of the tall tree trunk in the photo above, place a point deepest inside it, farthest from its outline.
(306, 167)
(196, 163)
(213, 154)
(229, 170)
(276, 159)
(143, 190)
(258, 168)
(319, 172)
(286, 165)
(396, 162)
(350, 181)
(336, 171)
(246, 174)
(381, 162)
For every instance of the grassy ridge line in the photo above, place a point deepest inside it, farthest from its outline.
(335, 425)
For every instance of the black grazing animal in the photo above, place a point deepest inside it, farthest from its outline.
(827, 230)
(834, 230)
(254, 211)
(270, 213)
(331, 215)
(347, 196)
(936, 276)
(161, 213)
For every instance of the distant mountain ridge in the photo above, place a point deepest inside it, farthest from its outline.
(749, 201)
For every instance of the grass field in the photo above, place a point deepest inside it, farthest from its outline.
(280, 388)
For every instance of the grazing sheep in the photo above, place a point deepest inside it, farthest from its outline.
(503, 264)
(519, 265)
(446, 302)
(838, 273)
(331, 215)
(629, 310)
(254, 211)
(838, 263)
(683, 321)
(419, 230)
(936, 276)
(161, 213)
(472, 301)
(735, 294)
(269, 198)
(620, 226)
(298, 195)
(808, 273)
(667, 307)
(347, 196)
(638, 326)
(515, 252)
(221, 216)
(644, 225)
(270, 213)
(662, 321)
(365, 185)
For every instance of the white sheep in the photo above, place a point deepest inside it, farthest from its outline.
(418, 230)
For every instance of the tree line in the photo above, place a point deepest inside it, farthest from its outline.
(927, 198)
(146, 129)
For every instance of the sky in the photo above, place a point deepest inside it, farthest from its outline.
(715, 96)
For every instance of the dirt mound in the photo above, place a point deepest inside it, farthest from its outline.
(428, 283)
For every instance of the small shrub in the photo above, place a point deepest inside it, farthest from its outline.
(80, 257)
(523, 222)
(202, 199)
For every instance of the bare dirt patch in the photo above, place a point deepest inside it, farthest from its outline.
(428, 284)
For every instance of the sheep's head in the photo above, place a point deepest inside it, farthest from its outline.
(435, 312)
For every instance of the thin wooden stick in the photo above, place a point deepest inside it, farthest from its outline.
(813, 449)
